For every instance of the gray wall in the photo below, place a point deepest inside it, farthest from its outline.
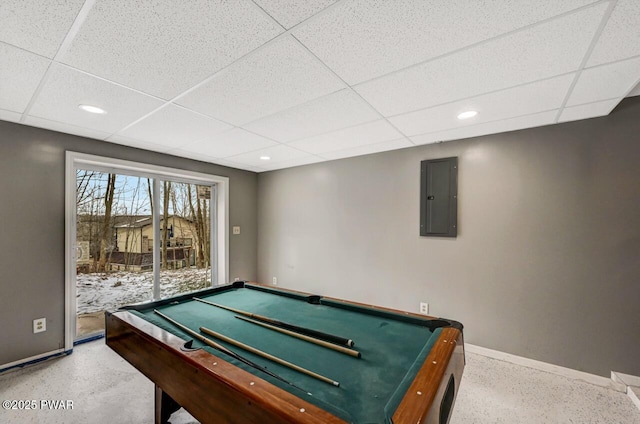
(546, 264)
(32, 212)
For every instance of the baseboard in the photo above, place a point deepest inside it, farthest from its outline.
(634, 395)
(88, 339)
(632, 383)
(626, 379)
(33, 360)
(544, 366)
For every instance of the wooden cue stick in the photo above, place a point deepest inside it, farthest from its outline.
(307, 331)
(225, 350)
(192, 333)
(268, 356)
(322, 343)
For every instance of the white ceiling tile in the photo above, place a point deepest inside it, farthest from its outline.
(165, 47)
(8, 115)
(338, 110)
(280, 75)
(66, 88)
(523, 100)
(191, 155)
(539, 52)
(530, 121)
(252, 86)
(605, 82)
(368, 149)
(635, 91)
(307, 160)
(590, 110)
(291, 12)
(246, 167)
(125, 141)
(363, 39)
(230, 143)
(370, 133)
(279, 153)
(20, 74)
(621, 36)
(37, 26)
(65, 128)
(174, 126)
(230, 164)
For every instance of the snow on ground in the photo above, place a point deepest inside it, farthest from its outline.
(109, 291)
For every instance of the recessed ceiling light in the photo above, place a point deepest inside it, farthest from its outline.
(468, 114)
(92, 109)
(265, 157)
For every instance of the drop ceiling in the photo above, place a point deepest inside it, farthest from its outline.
(305, 81)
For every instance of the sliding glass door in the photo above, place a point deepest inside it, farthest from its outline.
(140, 236)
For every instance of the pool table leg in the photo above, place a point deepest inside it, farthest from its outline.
(165, 406)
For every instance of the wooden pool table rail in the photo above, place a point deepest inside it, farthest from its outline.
(211, 389)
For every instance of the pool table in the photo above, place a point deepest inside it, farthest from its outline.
(409, 368)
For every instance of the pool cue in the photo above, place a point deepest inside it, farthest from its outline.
(322, 343)
(227, 351)
(269, 356)
(303, 330)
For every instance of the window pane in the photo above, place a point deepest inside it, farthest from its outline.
(184, 238)
(114, 235)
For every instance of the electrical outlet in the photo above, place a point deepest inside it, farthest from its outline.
(39, 325)
(236, 279)
(236, 229)
(275, 280)
(424, 308)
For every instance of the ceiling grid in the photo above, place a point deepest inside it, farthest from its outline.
(302, 82)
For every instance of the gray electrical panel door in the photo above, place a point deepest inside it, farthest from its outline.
(439, 197)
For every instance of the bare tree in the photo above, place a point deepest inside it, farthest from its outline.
(204, 222)
(197, 227)
(106, 238)
(165, 218)
(150, 194)
(199, 214)
(85, 186)
(132, 215)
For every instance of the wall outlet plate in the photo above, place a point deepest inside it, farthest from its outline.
(275, 280)
(39, 325)
(424, 308)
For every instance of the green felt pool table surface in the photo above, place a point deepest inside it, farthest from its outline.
(393, 345)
